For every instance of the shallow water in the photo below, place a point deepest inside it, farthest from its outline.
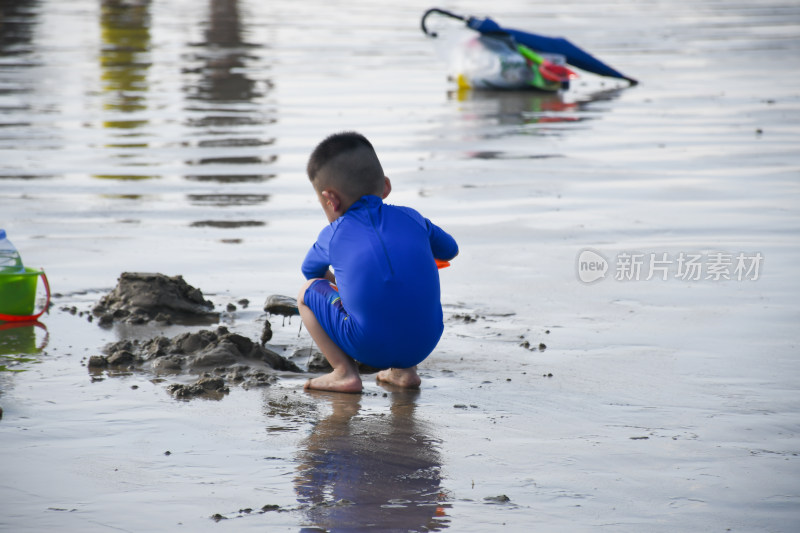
(172, 137)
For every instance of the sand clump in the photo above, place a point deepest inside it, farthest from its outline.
(219, 358)
(277, 304)
(140, 298)
(216, 359)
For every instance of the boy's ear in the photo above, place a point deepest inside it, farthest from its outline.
(332, 199)
(387, 187)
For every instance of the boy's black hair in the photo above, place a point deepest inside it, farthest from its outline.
(348, 162)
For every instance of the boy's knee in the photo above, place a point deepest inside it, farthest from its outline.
(302, 293)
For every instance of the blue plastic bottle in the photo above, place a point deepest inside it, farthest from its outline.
(10, 260)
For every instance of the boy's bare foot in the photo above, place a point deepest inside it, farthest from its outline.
(402, 377)
(335, 382)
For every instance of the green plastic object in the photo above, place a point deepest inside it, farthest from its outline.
(16, 339)
(18, 292)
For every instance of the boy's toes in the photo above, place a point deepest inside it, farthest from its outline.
(330, 382)
(406, 378)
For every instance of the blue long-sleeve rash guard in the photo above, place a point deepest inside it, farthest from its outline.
(383, 258)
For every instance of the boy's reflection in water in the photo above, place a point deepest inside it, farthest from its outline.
(371, 471)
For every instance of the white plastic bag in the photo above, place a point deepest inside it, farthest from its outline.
(490, 62)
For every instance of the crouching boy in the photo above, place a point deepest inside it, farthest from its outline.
(380, 304)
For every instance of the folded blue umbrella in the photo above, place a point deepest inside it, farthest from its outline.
(573, 55)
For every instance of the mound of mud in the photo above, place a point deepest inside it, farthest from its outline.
(277, 304)
(139, 298)
(219, 358)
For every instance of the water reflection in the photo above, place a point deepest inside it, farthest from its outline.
(223, 58)
(125, 33)
(359, 471)
(516, 107)
(223, 98)
(124, 177)
(230, 178)
(227, 200)
(17, 23)
(18, 339)
(495, 154)
(502, 114)
(228, 224)
(235, 142)
(124, 64)
(229, 160)
(18, 19)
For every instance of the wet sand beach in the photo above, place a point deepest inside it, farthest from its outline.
(620, 325)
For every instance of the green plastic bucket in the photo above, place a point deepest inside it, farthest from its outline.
(18, 292)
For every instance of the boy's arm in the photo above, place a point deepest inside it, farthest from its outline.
(314, 265)
(443, 245)
(317, 262)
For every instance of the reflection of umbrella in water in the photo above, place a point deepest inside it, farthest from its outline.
(539, 44)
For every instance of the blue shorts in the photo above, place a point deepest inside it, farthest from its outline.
(322, 297)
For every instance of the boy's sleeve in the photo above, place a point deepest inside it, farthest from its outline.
(443, 245)
(317, 260)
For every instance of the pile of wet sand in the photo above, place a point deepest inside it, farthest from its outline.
(140, 297)
(277, 304)
(216, 359)
(219, 358)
